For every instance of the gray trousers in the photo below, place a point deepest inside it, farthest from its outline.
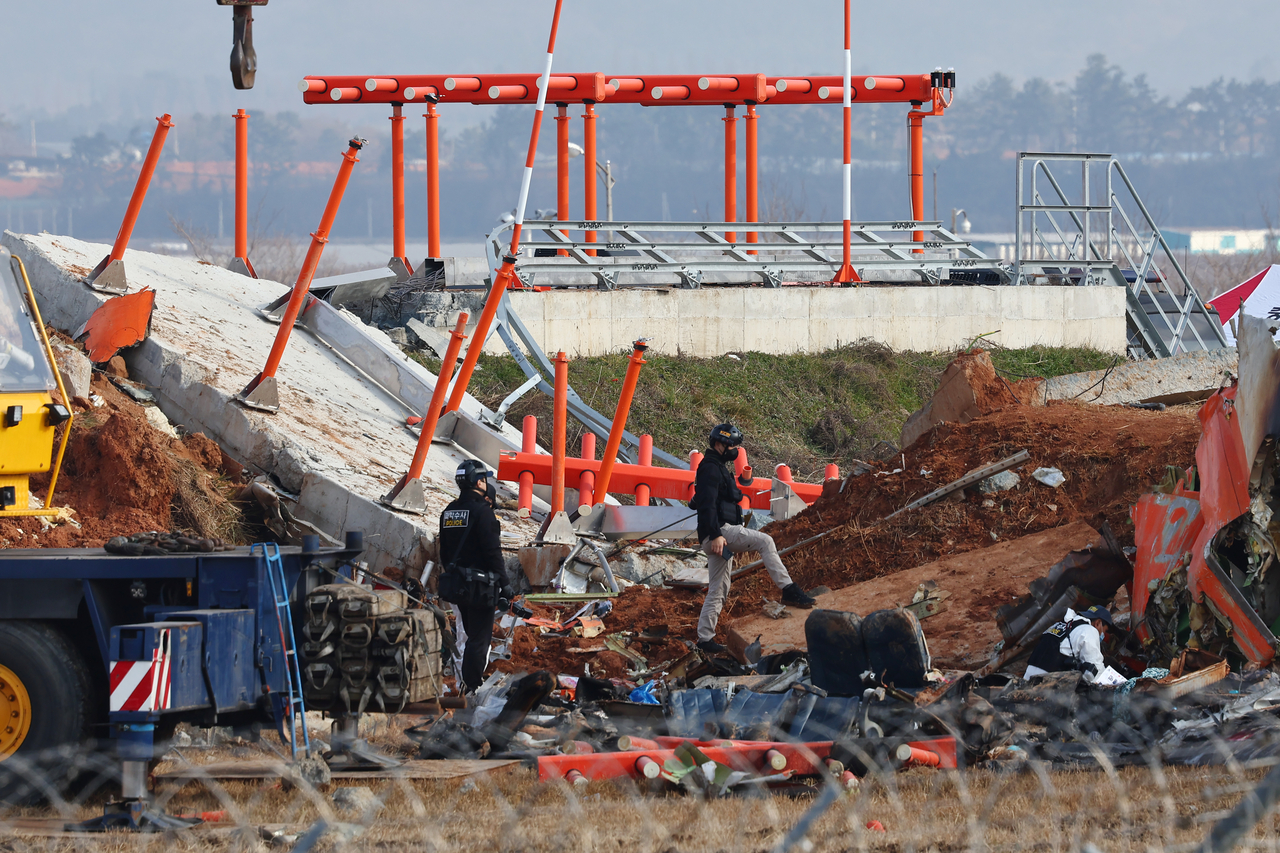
(738, 540)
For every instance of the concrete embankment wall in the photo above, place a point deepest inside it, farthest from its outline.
(713, 321)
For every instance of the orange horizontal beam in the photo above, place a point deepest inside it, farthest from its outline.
(639, 89)
(675, 483)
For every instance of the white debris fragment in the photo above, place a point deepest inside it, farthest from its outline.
(1051, 477)
(1002, 482)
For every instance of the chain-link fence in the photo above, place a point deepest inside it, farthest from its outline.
(1082, 771)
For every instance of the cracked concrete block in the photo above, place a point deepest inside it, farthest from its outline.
(76, 369)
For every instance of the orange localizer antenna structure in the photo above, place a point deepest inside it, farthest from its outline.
(240, 262)
(261, 393)
(507, 271)
(846, 274)
(399, 264)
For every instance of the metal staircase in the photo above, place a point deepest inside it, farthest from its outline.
(1104, 235)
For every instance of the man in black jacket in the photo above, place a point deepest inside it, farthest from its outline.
(716, 497)
(471, 551)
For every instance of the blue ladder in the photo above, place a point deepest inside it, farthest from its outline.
(296, 710)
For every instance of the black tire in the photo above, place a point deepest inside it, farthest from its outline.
(56, 680)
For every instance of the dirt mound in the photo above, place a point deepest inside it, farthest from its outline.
(121, 475)
(1110, 455)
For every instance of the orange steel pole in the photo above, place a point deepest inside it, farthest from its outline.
(432, 415)
(242, 189)
(507, 271)
(528, 444)
(587, 479)
(560, 417)
(730, 170)
(846, 274)
(695, 459)
(433, 179)
(753, 212)
(163, 123)
(397, 186)
(562, 168)
(742, 469)
(915, 142)
(832, 472)
(589, 188)
(646, 458)
(299, 293)
(619, 421)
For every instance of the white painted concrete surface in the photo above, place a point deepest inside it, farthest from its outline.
(712, 321)
(338, 441)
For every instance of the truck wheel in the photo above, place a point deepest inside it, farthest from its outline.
(45, 707)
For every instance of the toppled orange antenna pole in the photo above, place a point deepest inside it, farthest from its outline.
(619, 421)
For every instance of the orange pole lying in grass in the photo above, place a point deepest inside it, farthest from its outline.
(299, 293)
(506, 272)
(433, 179)
(397, 186)
(587, 479)
(163, 123)
(560, 417)
(528, 444)
(432, 415)
(619, 420)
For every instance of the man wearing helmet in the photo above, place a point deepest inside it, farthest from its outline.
(474, 578)
(716, 497)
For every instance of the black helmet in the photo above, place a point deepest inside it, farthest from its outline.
(728, 434)
(469, 474)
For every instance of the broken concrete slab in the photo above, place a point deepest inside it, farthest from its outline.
(969, 387)
(963, 635)
(1182, 378)
(76, 369)
(336, 427)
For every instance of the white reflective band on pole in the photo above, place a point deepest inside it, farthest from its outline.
(848, 192)
(848, 78)
(528, 170)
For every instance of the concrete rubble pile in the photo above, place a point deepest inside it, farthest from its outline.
(852, 687)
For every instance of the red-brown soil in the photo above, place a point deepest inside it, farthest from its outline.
(119, 476)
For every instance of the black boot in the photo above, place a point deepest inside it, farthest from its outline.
(797, 597)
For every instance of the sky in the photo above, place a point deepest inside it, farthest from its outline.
(133, 60)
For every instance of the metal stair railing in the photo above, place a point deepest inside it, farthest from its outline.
(691, 250)
(1161, 322)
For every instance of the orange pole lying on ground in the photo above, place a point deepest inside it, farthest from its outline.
(913, 756)
(562, 168)
(433, 179)
(730, 170)
(589, 154)
(619, 420)
(242, 189)
(587, 479)
(915, 142)
(163, 123)
(528, 444)
(506, 272)
(432, 416)
(318, 238)
(397, 186)
(753, 211)
(846, 274)
(560, 417)
(646, 460)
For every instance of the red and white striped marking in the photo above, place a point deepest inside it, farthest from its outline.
(142, 685)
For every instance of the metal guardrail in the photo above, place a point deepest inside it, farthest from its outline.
(662, 253)
(1092, 239)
